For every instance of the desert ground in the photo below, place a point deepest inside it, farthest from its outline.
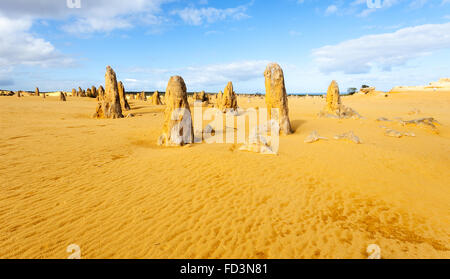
(105, 185)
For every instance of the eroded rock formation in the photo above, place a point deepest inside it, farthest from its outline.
(333, 99)
(177, 129)
(123, 100)
(156, 100)
(109, 106)
(100, 93)
(94, 91)
(229, 99)
(334, 107)
(276, 97)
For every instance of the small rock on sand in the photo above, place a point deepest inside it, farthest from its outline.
(313, 137)
(350, 136)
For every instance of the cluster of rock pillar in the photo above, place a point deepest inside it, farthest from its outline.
(109, 106)
(178, 129)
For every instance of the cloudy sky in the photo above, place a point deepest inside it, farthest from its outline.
(56, 45)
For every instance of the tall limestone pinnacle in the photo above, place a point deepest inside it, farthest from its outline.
(156, 100)
(276, 97)
(177, 128)
(229, 99)
(219, 97)
(123, 100)
(94, 91)
(334, 107)
(333, 98)
(100, 93)
(110, 106)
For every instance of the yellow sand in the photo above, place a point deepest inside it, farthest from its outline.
(105, 185)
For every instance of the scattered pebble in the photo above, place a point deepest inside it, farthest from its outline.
(313, 137)
(394, 133)
(428, 122)
(383, 119)
(350, 136)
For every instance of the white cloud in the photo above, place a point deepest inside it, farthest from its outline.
(331, 10)
(207, 77)
(108, 15)
(19, 47)
(383, 50)
(93, 16)
(194, 16)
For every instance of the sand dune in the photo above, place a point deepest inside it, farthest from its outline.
(106, 186)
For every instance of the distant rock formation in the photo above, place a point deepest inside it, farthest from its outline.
(334, 107)
(367, 90)
(62, 97)
(229, 99)
(100, 93)
(141, 96)
(94, 91)
(177, 129)
(74, 92)
(6, 93)
(123, 100)
(195, 96)
(442, 83)
(89, 93)
(36, 92)
(156, 100)
(200, 97)
(110, 106)
(218, 103)
(333, 99)
(276, 97)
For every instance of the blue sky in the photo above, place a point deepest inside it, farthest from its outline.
(47, 44)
